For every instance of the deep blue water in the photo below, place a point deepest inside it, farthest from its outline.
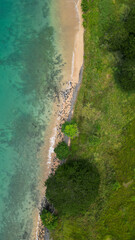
(30, 72)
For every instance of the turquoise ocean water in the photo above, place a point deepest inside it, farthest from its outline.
(30, 72)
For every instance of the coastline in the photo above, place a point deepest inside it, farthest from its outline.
(64, 109)
(112, 139)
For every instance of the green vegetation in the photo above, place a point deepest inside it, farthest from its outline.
(73, 187)
(70, 129)
(62, 150)
(120, 38)
(105, 118)
(48, 219)
(85, 5)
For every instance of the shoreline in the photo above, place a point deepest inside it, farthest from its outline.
(64, 108)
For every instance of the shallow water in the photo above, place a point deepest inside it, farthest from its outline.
(30, 73)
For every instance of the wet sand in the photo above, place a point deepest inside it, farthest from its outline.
(67, 20)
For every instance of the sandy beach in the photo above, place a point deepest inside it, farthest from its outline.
(72, 72)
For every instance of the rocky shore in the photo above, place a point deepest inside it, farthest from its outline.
(69, 97)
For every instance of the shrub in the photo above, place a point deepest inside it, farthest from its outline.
(116, 186)
(70, 129)
(48, 219)
(62, 150)
(73, 187)
(85, 6)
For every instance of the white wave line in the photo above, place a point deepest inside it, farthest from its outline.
(77, 10)
(52, 143)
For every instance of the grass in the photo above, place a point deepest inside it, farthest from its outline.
(105, 115)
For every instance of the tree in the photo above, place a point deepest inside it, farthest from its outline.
(49, 220)
(73, 187)
(70, 129)
(62, 151)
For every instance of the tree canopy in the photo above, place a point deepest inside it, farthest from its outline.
(73, 187)
(49, 220)
(70, 129)
(62, 150)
